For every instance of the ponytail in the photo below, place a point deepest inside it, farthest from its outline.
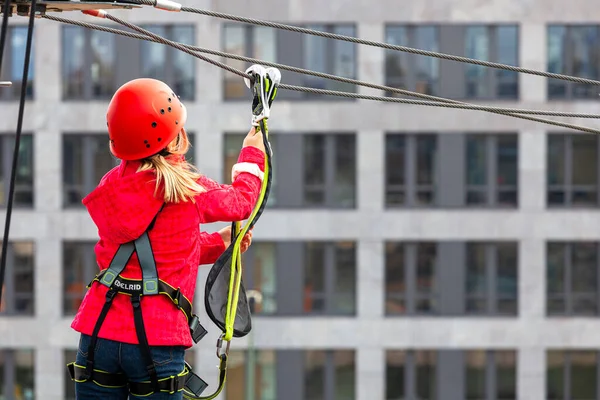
(179, 179)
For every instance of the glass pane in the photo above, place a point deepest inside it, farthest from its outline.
(344, 375)
(315, 57)
(231, 147)
(154, 55)
(556, 159)
(314, 375)
(73, 169)
(395, 283)
(264, 277)
(234, 42)
(23, 276)
(426, 159)
(18, 44)
(584, 42)
(555, 384)
(70, 356)
(73, 74)
(394, 374)
(345, 278)
(344, 59)
(426, 271)
(508, 48)
(477, 46)
(585, 160)
(314, 276)
(183, 64)
(556, 60)
(584, 273)
(102, 68)
(345, 170)
(506, 374)
(475, 363)
(103, 159)
(265, 374)
(426, 68)
(507, 270)
(24, 179)
(556, 269)
(395, 149)
(314, 159)
(583, 374)
(79, 269)
(396, 66)
(425, 362)
(264, 45)
(476, 269)
(476, 160)
(235, 385)
(507, 160)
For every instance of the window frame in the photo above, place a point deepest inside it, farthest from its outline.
(490, 372)
(410, 368)
(567, 366)
(6, 157)
(411, 188)
(9, 299)
(13, 93)
(10, 366)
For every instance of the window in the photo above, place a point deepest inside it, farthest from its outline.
(71, 355)
(233, 145)
(80, 268)
(18, 296)
(17, 374)
(411, 375)
(410, 275)
(490, 375)
(86, 159)
(428, 75)
(252, 375)
(330, 278)
(572, 168)
(319, 169)
(330, 170)
(13, 62)
(329, 375)
(573, 50)
(496, 44)
(492, 170)
(169, 64)
(571, 375)
(92, 70)
(572, 278)
(249, 41)
(408, 71)
(89, 63)
(411, 170)
(491, 279)
(260, 274)
(24, 179)
(304, 51)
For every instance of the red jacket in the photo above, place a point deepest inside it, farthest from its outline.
(122, 207)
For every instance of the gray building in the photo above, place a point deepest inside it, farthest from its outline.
(408, 251)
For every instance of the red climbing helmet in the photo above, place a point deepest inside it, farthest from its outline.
(143, 117)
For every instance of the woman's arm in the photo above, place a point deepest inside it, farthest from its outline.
(211, 247)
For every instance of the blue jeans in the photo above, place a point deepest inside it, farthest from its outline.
(126, 358)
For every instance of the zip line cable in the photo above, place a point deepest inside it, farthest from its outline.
(253, 21)
(13, 171)
(441, 102)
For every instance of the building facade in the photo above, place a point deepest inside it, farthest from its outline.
(407, 252)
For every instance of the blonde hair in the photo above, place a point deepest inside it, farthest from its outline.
(179, 178)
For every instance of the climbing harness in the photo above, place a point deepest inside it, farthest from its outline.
(224, 277)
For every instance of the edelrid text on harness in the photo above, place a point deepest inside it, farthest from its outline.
(149, 285)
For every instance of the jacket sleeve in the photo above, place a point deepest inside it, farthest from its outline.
(235, 202)
(211, 247)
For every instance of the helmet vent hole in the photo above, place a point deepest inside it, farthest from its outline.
(169, 99)
(145, 141)
(159, 139)
(148, 146)
(162, 110)
(176, 122)
(154, 124)
(169, 109)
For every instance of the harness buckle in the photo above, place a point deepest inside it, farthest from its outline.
(177, 383)
(196, 329)
(177, 298)
(110, 295)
